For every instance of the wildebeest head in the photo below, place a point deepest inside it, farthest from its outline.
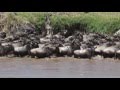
(28, 46)
(2, 34)
(83, 46)
(110, 43)
(64, 32)
(33, 45)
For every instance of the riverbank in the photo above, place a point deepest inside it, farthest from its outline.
(102, 22)
(24, 39)
(56, 59)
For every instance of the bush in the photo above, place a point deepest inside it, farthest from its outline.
(102, 22)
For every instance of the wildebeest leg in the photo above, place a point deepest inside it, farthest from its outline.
(32, 56)
(28, 55)
(15, 54)
(65, 55)
(49, 56)
(89, 56)
(11, 55)
(75, 56)
(58, 55)
(102, 55)
(70, 54)
(118, 56)
(21, 55)
(92, 54)
(115, 57)
(7, 55)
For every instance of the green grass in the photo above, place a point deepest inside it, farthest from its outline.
(103, 22)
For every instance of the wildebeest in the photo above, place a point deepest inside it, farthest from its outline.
(33, 52)
(6, 43)
(117, 33)
(75, 44)
(99, 48)
(44, 40)
(111, 51)
(54, 49)
(5, 49)
(22, 50)
(44, 52)
(9, 49)
(87, 38)
(117, 54)
(70, 38)
(41, 45)
(2, 50)
(85, 53)
(40, 52)
(9, 38)
(17, 43)
(65, 50)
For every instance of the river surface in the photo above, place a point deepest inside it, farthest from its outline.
(62, 67)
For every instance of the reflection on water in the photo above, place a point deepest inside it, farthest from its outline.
(58, 68)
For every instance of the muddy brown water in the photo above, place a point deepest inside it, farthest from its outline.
(62, 67)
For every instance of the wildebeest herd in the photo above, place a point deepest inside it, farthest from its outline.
(80, 45)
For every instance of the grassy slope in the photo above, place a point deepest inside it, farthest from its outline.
(103, 22)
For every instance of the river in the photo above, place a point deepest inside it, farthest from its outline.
(62, 67)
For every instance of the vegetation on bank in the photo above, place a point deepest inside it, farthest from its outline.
(103, 22)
